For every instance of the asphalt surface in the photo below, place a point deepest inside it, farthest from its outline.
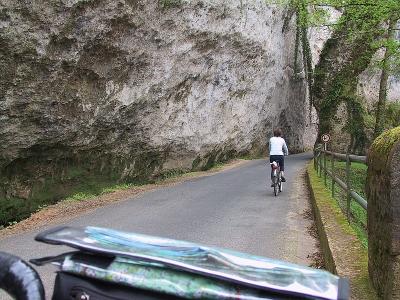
(232, 209)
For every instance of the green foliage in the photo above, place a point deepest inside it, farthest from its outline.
(358, 216)
(80, 196)
(381, 147)
(93, 192)
(171, 174)
(118, 187)
(364, 27)
(355, 125)
(303, 21)
(12, 210)
(357, 260)
(16, 209)
(87, 186)
(358, 176)
(81, 187)
(170, 3)
(392, 115)
(391, 120)
(369, 120)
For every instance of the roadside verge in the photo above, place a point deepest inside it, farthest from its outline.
(73, 207)
(343, 253)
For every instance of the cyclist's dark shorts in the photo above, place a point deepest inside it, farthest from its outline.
(279, 159)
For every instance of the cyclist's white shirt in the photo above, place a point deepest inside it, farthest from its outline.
(277, 146)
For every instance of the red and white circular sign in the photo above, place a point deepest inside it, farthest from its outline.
(325, 137)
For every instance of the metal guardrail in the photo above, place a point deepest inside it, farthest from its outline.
(320, 166)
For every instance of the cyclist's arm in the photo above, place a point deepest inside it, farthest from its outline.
(269, 146)
(285, 149)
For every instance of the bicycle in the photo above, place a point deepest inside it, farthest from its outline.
(276, 177)
(105, 264)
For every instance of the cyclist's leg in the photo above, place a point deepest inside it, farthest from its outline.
(282, 166)
(272, 158)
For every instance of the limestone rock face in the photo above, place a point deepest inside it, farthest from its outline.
(128, 88)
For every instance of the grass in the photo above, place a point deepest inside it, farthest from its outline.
(170, 3)
(92, 192)
(118, 187)
(324, 195)
(80, 196)
(353, 254)
(358, 176)
(15, 210)
(174, 173)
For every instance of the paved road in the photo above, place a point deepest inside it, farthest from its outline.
(232, 209)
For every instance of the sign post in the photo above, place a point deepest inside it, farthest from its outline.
(325, 138)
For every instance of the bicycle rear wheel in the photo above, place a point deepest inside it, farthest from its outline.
(276, 188)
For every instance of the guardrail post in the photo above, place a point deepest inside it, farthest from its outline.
(348, 186)
(333, 175)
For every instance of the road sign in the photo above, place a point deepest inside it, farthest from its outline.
(325, 137)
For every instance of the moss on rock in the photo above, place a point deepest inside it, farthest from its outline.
(342, 59)
(381, 147)
(383, 194)
(51, 174)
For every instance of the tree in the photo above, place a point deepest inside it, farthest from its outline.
(358, 34)
(383, 86)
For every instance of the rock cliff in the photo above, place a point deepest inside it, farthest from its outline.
(111, 90)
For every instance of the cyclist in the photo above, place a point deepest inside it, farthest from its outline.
(277, 150)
